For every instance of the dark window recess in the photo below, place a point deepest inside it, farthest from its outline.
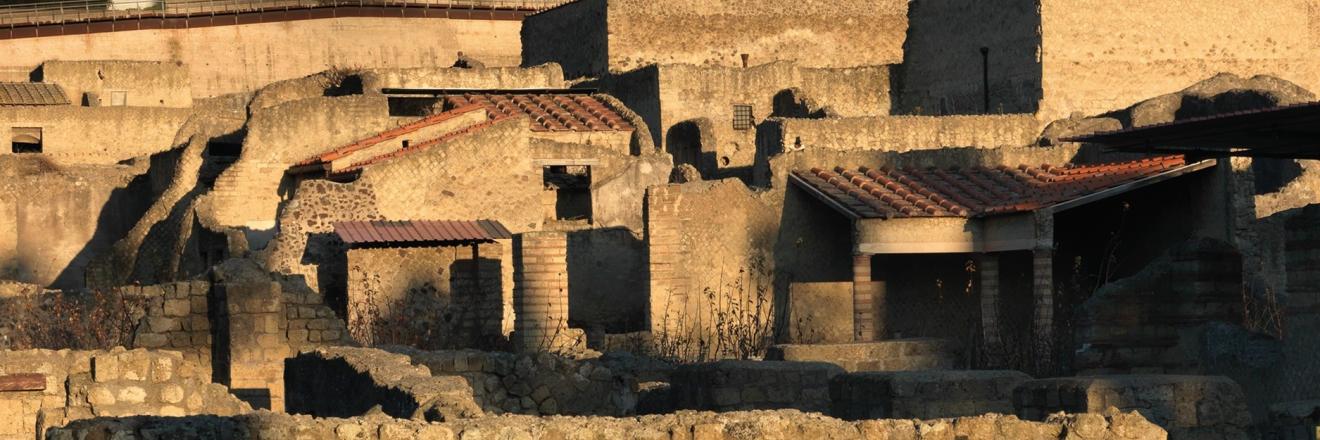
(414, 107)
(742, 117)
(26, 140)
(224, 149)
(572, 187)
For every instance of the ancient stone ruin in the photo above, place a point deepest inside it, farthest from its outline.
(660, 219)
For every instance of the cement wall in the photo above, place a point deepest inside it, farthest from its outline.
(259, 54)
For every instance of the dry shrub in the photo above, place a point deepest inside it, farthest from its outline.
(731, 322)
(82, 320)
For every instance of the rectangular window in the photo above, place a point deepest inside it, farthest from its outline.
(118, 98)
(572, 188)
(742, 117)
(25, 139)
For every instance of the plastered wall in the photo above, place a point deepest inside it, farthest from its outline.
(257, 54)
(144, 83)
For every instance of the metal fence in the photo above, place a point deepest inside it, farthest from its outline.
(75, 11)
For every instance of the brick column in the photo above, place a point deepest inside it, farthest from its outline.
(1042, 287)
(667, 299)
(988, 265)
(251, 342)
(868, 302)
(540, 294)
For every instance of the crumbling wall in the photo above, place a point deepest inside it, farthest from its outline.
(247, 194)
(904, 133)
(710, 267)
(143, 83)
(262, 53)
(537, 76)
(703, 425)
(176, 317)
(1157, 48)
(943, 72)
(81, 210)
(85, 384)
(548, 384)
(94, 135)
(318, 382)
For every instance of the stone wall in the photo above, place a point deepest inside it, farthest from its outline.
(745, 385)
(1089, 43)
(94, 135)
(85, 384)
(891, 355)
(942, 71)
(262, 53)
(690, 93)
(706, 262)
(539, 76)
(449, 293)
(48, 240)
(177, 317)
(319, 382)
(924, 394)
(1189, 407)
(627, 34)
(548, 384)
(144, 83)
(784, 424)
(901, 133)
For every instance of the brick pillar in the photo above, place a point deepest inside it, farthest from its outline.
(990, 335)
(1042, 288)
(668, 283)
(868, 302)
(252, 342)
(540, 290)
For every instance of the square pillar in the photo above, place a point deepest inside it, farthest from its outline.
(868, 302)
(988, 266)
(1042, 287)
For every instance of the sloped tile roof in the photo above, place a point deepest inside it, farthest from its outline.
(32, 94)
(420, 231)
(550, 111)
(387, 135)
(971, 192)
(421, 145)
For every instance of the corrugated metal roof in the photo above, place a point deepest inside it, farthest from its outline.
(420, 231)
(971, 192)
(32, 94)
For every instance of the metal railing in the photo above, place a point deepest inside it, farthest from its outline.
(76, 11)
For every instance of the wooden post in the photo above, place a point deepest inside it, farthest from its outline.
(23, 382)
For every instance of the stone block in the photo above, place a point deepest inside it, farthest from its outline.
(1187, 406)
(177, 307)
(721, 385)
(890, 355)
(923, 394)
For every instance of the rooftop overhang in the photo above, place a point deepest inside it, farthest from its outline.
(1281, 132)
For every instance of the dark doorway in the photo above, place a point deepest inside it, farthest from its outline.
(572, 187)
(26, 140)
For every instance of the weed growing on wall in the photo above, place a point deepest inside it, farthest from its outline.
(733, 321)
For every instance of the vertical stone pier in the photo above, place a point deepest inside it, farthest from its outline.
(540, 294)
(867, 326)
(251, 343)
(989, 269)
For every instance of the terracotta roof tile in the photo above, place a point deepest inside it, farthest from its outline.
(972, 192)
(32, 94)
(387, 135)
(421, 145)
(420, 231)
(550, 111)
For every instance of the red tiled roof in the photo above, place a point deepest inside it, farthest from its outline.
(972, 192)
(420, 231)
(550, 112)
(32, 94)
(421, 145)
(387, 135)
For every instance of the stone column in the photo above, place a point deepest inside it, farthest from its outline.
(540, 290)
(1042, 287)
(252, 342)
(868, 302)
(667, 282)
(988, 265)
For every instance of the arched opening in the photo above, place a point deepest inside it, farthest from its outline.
(26, 140)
